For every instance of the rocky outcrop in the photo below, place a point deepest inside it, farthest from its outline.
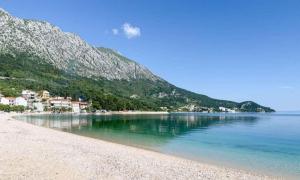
(65, 50)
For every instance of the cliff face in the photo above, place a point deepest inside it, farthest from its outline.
(65, 51)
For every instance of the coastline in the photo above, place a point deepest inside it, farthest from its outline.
(133, 113)
(105, 113)
(32, 152)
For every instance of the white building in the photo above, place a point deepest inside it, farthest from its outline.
(76, 107)
(4, 101)
(60, 103)
(11, 100)
(38, 106)
(231, 110)
(20, 101)
(29, 95)
(223, 109)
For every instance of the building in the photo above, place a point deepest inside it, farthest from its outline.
(20, 101)
(60, 103)
(134, 96)
(38, 106)
(79, 106)
(223, 109)
(164, 108)
(44, 95)
(29, 95)
(11, 100)
(76, 107)
(83, 105)
(4, 101)
(8, 101)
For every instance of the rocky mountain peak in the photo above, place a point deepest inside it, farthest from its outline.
(66, 51)
(3, 12)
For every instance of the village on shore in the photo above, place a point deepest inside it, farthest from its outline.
(42, 101)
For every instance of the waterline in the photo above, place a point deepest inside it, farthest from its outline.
(260, 142)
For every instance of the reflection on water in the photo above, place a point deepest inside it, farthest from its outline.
(136, 130)
(160, 125)
(253, 141)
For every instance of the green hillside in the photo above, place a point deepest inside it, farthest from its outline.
(28, 72)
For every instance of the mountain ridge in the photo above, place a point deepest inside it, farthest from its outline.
(61, 49)
(102, 71)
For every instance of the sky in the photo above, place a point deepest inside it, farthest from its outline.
(227, 49)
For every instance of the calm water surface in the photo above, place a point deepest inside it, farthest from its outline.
(267, 143)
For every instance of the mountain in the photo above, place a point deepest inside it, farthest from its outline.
(65, 51)
(38, 55)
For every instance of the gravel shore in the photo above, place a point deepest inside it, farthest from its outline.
(32, 152)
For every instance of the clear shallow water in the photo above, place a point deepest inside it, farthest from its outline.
(267, 143)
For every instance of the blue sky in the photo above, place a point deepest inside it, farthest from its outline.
(229, 49)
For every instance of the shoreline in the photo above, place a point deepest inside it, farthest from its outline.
(102, 113)
(102, 159)
(133, 113)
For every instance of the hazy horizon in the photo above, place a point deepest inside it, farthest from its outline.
(229, 50)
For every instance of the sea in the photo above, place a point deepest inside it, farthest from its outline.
(267, 143)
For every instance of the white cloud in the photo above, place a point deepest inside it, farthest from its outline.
(131, 31)
(115, 31)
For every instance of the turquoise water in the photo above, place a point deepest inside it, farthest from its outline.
(266, 143)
